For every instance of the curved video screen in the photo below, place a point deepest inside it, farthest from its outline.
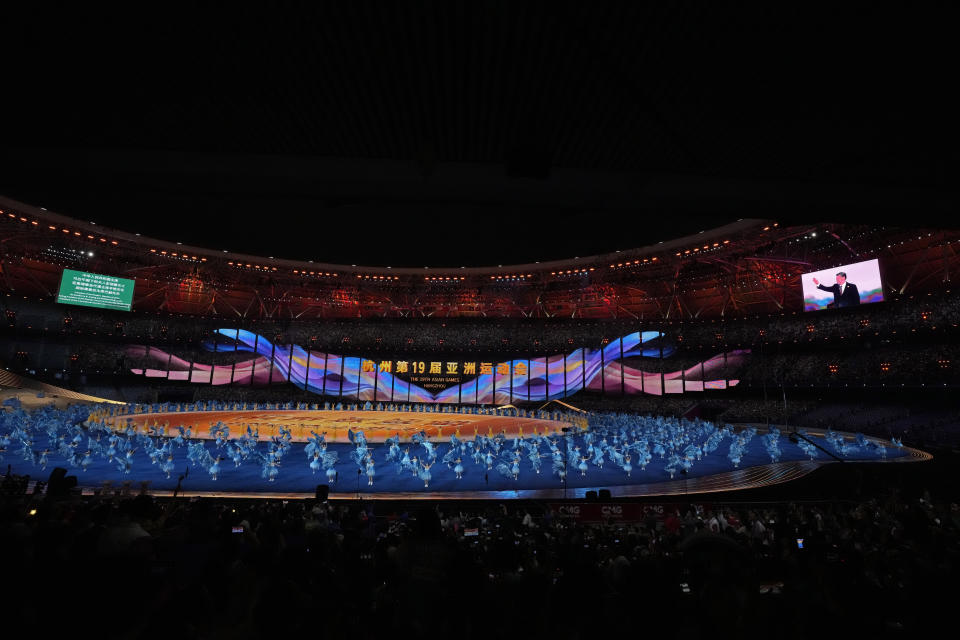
(639, 362)
(848, 285)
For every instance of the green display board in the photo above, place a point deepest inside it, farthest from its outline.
(95, 290)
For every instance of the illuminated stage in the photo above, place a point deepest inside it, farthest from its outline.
(714, 473)
(377, 426)
(732, 480)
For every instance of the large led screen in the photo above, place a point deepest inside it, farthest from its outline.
(630, 364)
(95, 290)
(848, 285)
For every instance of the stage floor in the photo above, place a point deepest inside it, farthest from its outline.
(296, 480)
(377, 426)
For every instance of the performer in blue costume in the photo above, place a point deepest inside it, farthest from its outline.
(672, 464)
(583, 465)
(370, 470)
(393, 453)
(425, 473)
(214, 469)
(235, 452)
(560, 468)
(167, 466)
(598, 457)
(405, 463)
(271, 469)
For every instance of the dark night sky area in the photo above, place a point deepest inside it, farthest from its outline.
(456, 133)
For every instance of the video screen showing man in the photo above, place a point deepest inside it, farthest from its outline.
(855, 284)
(845, 293)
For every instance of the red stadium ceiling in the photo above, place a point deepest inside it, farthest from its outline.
(749, 267)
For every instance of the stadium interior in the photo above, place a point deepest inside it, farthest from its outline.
(561, 320)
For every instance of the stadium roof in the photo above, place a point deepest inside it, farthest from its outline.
(751, 266)
(473, 134)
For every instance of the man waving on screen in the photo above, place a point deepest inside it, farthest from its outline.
(845, 293)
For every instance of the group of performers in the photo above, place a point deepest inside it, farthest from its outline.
(82, 434)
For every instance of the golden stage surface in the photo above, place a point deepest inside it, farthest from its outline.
(377, 426)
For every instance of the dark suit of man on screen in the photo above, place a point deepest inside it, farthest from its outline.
(845, 293)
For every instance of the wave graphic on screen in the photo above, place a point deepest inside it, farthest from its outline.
(546, 378)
